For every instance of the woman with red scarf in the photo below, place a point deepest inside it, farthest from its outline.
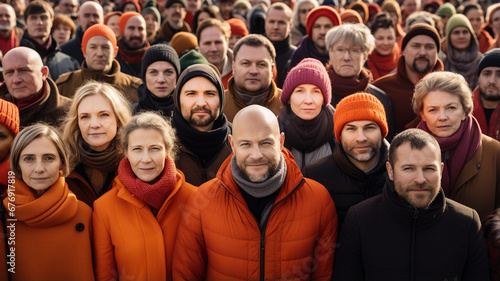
(135, 223)
(384, 59)
(471, 173)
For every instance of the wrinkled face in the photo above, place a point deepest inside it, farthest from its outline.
(146, 153)
(277, 25)
(38, 26)
(476, 20)
(161, 78)
(176, 13)
(416, 174)
(7, 18)
(489, 83)
(113, 24)
(420, 54)
(39, 163)
(68, 7)
(304, 11)
(257, 148)
(361, 141)
(23, 75)
(347, 59)
(97, 121)
(134, 34)
(100, 53)
(495, 18)
(90, 15)
(200, 103)
(61, 33)
(318, 32)
(385, 38)
(152, 25)
(443, 112)
(213, 45)
(460, 38)
(306, 101)
(252, 68)
(6, 138)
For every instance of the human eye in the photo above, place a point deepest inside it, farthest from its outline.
(153, 72)
(49, 158)
(429, 47)
(104, 114)
(28, 159)
(210, 93)
(408, 169)
(85, 116)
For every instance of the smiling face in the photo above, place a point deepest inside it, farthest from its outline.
(146, 153)
(39, 163)
(97, 121)
(385, 38)
(443, 113)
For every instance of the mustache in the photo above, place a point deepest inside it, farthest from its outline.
(200, 109)
(420, 186)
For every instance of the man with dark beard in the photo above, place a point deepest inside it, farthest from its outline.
(356, 169)
(420, 56)
(176, 13)
(412, 231)
(259, 219)
(201, 126)
(486, 96)
(133, 44)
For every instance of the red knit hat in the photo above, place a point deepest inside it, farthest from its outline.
(350, 16)
(9, 116)
(98, 30)
(122, 22)
(356, 107)
(322, 11)
(308, 71)
(238, 27)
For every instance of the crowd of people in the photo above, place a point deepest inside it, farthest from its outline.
(250, 140)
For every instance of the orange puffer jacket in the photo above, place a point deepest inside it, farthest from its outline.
(219, 238)
(130, 243)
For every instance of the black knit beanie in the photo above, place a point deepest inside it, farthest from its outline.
(422, 29)
(160, 52)
(491, 58)
(199, 70)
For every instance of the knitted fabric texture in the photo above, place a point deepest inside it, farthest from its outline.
(122, 22)
(192, 57)
(350, 16)
(323, 11)
(456, 21)
(308, 71)
(160, 52)
(422, 29)
(183, 41)
(135, 2)
(9, 116)
(356, 107)
(98, 30)
(491, 58)
(238, 27)
(150, 8)
(446, 9)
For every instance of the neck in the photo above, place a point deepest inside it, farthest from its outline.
(414, 76)
(175, 24)
(220, 66)
(41, 40)
(490, 103)
(364, 166)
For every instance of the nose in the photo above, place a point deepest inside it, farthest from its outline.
(200, 100)
(145, 158)
(256, 154)
(361, 137)
(442, 114)
(39, 167)
(492, 79)
(347, 55)
(253, 68)
(419, 177)
(308, 98)
(94, 122)
(213, 47)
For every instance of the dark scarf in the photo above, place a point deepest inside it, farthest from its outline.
(347, 86)
(252, 97)
(22, 104)
(464, 63)
(205, 145)
(382, 65)
(465, 142)
(154, 195)
(283, 45)
(307, 49)
(149, 102)
(105, 161)
(131, 56)
(306, 135)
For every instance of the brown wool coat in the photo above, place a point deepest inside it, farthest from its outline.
(68, 83)
(233, 103)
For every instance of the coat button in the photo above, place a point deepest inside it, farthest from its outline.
(80, 226)
(478, 166)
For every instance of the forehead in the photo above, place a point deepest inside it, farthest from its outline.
(491, 69)
(34, 146)
(421, 39)
(211, 33)
(135, 21)
(160, 65)
(44, 13)
(4, 9)
(277, 14)
(256, 126)
(99, 40)
(89, 9)
(323, 21)
(406, 155)
(252, 53)
(198, 83)
(176, 5)
(17, 60)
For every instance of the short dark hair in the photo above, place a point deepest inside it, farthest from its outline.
(382, 20)
(222, 26)
(255, 40)
(38, 7)
(417, 139)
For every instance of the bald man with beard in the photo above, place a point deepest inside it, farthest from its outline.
(259, 218)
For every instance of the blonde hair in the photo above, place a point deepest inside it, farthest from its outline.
(71, 131)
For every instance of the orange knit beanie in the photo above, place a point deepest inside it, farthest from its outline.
(98, 30)
(122, 22)
(356, 107)
(9, 116)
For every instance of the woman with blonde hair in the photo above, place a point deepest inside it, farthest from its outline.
(471, 173)
(135, 223)
(97, 113)
(52, 229)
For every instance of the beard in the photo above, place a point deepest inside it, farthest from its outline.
(489, 97)
(201, 122)
(363, 157)
(421, 69)
(418, 201)
(272, 169)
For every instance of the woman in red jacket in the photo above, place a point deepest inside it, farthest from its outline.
(135, 223)
(49, 230)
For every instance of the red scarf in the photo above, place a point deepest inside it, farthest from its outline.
(4, 174)
(465, 142)
(22, 104)
(129, 56)
(9, 43)
(152, 194)
(382, 65)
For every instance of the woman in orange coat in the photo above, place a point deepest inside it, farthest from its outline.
(48, 229)
(135, 223)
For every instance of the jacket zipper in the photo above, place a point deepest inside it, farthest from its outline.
(412, 251)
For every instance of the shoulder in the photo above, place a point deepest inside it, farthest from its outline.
(320, 167)
(65, 77)
(490, 143)
(461, 213)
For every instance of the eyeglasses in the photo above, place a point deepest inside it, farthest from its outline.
(354, 53)
(304, 11)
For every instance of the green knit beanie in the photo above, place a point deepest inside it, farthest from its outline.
(190, 58)
(456, 21)
(150, 8)
(446, 9)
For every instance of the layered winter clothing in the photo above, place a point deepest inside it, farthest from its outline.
(485, 41)
(491, 128)
(166, 32)
(53, 234)
(12, 41)
(400, 89)
(384, 238)
(149, 102)
(306, 49)
(50, 107)
(130, 241)
(220, 239)
(284, 50)
(382, 65)
(130, 60)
